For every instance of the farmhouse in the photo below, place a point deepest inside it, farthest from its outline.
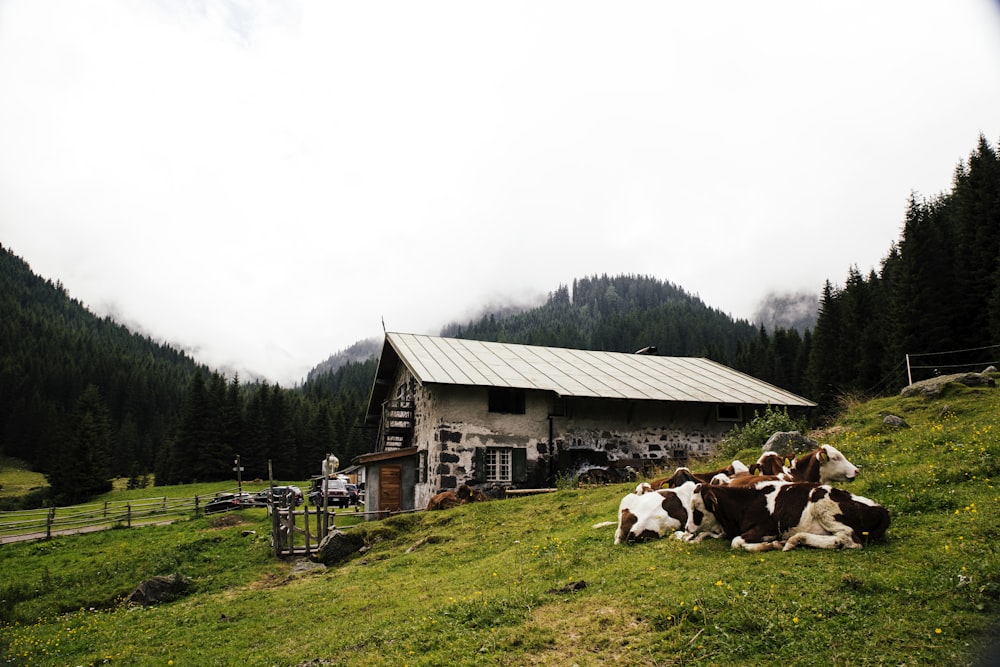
(452, 411)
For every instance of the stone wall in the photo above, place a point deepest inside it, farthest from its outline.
(452, 422)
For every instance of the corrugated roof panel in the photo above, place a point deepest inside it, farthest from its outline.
(582, 372)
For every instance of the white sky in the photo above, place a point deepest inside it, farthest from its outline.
(259, 183)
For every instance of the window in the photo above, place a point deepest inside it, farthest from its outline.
(498, 465)
(506, 400)
(730, 413)
(422, 466)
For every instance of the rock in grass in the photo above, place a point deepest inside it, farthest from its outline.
(787, 443)
(337, 546)
(159, 589)
(933, 387)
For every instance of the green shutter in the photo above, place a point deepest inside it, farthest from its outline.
(479, 465)
(519, 465)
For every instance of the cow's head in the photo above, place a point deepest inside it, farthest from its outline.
(771, 463)
(834, 466)
(643, 487)
(681, 476)
(703, 505)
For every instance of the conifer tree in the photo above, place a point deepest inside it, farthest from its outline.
(81, 468)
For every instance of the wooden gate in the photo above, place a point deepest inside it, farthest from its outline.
(294, 533)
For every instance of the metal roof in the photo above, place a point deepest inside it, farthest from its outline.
(567, 372)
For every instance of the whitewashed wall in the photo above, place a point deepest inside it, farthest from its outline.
(451, 422)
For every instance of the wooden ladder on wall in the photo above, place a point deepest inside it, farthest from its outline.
(396, 430)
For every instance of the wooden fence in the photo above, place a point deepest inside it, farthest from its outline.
(298, 532)
(294, 532)
(46, 522)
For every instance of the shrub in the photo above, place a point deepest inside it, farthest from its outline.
(755, 432)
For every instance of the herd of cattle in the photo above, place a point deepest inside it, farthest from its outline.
(776, 503)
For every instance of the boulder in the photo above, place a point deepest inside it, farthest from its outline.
(895, 421)
(159, 589)
(932, 388)
(789, 443)
(337, 546)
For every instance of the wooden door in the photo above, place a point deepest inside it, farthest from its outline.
(390, 488)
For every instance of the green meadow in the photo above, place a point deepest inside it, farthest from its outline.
(530, 581)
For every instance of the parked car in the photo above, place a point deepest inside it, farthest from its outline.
(337, 493)
(274, 494)
(353, 490)
(223, 502)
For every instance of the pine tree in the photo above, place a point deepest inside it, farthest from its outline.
(81, 468)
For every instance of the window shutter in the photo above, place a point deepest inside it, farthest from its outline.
(519, 465)
(479, 465)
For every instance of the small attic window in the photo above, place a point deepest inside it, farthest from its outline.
(506, 400)
(729, 412)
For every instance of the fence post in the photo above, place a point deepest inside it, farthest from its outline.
(275, 534)
(48, 523)
(196, 506)
(305, 516)
(909, 374)
(105, 509)
(128, 514)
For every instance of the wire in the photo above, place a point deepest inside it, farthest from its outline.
(976, 363)
(971, 349)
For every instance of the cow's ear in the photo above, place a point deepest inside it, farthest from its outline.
(823, 455)
(712, 502)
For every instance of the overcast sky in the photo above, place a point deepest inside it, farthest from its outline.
(261, 183)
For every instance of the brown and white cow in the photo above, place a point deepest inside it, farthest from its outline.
(683, 475)
(824, 465)
(770, 463)
(784, 515)
(649, 514)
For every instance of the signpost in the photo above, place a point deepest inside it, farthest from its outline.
(239, 474)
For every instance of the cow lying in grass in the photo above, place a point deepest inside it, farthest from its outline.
(783, 515)
(651, 513)
(462, 495)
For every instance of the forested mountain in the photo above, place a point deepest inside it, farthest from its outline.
(358, 353)
(628, 313)
(617, 314)
(52, 349)
(936, 296)
(84, 400)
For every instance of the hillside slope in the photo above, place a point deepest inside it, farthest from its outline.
(499, 583)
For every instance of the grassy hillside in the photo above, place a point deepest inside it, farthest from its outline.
(17, 478)
(497, 583)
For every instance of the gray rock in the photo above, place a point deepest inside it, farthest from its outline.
(932, 388)
(159, 589)
(895, 421)
(337, 546)
(787, 443)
